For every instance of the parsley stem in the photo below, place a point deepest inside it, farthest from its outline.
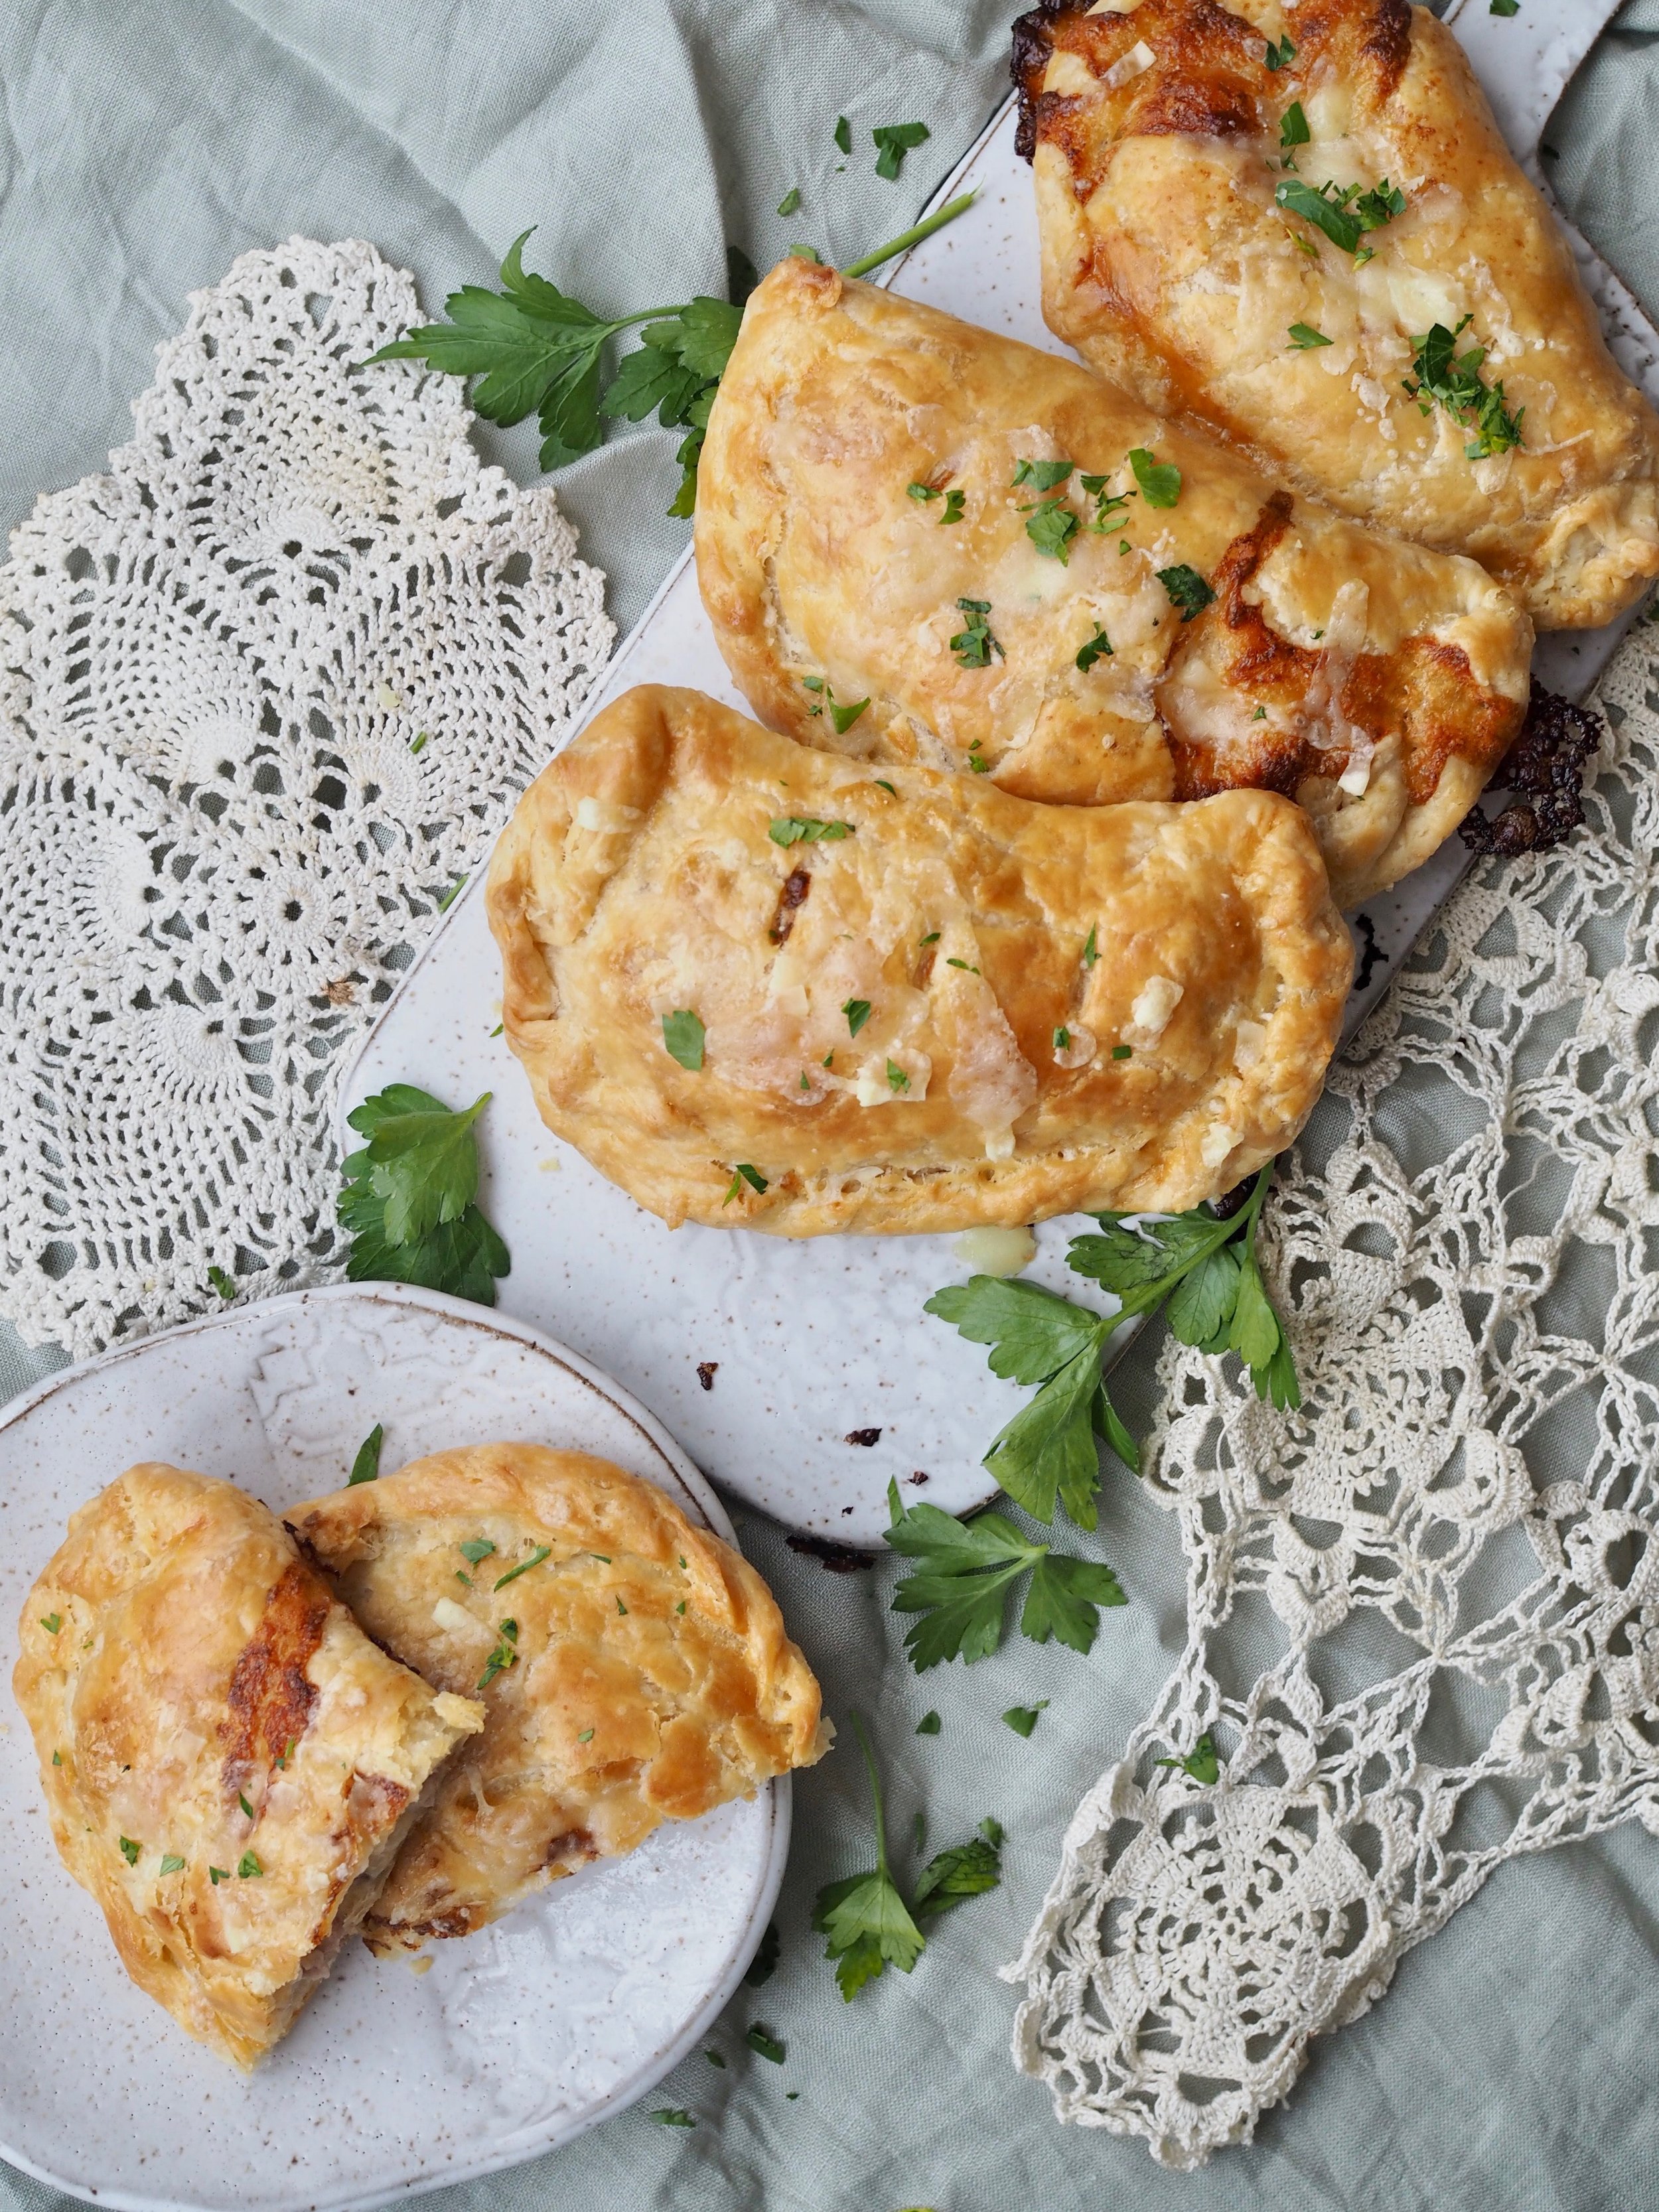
(906, 239)
(875, 1792)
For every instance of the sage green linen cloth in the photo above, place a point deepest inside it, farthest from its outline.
(1514, 2062)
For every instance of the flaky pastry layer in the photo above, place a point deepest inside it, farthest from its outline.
(635, 1669)
(1158, 133)
(868, 469)
(229, 1764)
(931, 1005)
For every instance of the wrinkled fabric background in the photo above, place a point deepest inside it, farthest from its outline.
(1515, 2062)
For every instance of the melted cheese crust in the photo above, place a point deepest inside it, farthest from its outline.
(1169, 265)
(979, 1086)
(653, 1678)
(1376, 681)
(196, 1662)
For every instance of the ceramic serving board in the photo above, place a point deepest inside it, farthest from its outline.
(516, 2039)
(766, 1357)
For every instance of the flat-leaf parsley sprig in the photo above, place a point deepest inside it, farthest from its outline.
(965, 1573)
(1442, 373)
(409, 1197)
(1200, 1266)
(867, 1922)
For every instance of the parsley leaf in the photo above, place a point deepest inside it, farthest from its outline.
(1304, 337)
(762, 2041)
(1280, 56)
(1504, 8)
(865, 1920)
(216, 1874)
(1042, 476)
(1454, 379)
(843, 134)
(248, 1867)
(542, 1551)
(790, 201)
(130, 1851)
(477, 1548)
(965, 1870)
(172, 1863)
(1202, 1763)
(755, 1180)
(366, 1465)
(673, 2116)
(929, 1725)
(1159, 481)
(1110, 507)
(1024, 1718)
(1293, 128)
(505, 1655)
(408, 1198)
(225, 1285)
(803, 830)
(1051, 525)
(1093, 648)
(51, 1622)
(897, 1080)
(966, 1570)
(893, 141)
(973, 645)
(857, 1011)
(1187, 589)
(683, 1032)
(1343, 212)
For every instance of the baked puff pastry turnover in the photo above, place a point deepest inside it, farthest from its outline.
(230, 1766)
(635, 1669)
(763, 986)
(917, 541)
(1302, 223)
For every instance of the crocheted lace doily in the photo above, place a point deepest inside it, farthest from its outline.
(221, 828)
(1423, 1618)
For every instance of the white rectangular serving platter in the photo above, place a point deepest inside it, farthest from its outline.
(765, 1355)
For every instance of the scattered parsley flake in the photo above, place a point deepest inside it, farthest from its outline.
(1062, 1039)
(1304, 337)
(1024, 1718)
(1159, 481)
(804, 829)
(418, 743)
(248, 1867)
(897, 1080)
(172, 1863)
(929, 1725)
(1091, 954)
(51, 1622)
(680, 1607)
(893, 141)
(1344, 212)
(973, 645)
(1201, 1762)
(882, 784)
(857, 1011)
(762, 1967)
(673, 2116)
(843, 134)
(1280, 56)
(1454, 379)
(452, 894)
(683, 1036)
(585, 1736)
(1093, 649)
(955, 501)
(790, 201)
(216, 1874)
(1042, 476)
(1187, 589)
(542, 1551)
(1504, 8)
(1293, 128)
(242, 1801)
(504, 1655)
(1123, 1052)
(620, 1607)
(476, 1548)
(366, 1467)
(222, 1283)
(746, 1174)
(130, 1851)
(865, 1920)
(1051, 525)
(931, 937)
(762, 2041)
(967, 967)
(714, 2058)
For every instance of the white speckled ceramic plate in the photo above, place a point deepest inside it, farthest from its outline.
(517, 2038)
(807, 1343)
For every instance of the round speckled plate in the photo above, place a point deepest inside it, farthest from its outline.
(517, 2038)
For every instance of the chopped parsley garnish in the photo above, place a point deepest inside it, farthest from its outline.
(882, 784)
(130, 1851)
(1304, 337)
(452, 894)
(1454, 379)
(897, 1080)
(216, 1874)
(1090, 953)
(1123, 1052)
(931, 937)
(1051, 525)
(680, 1607)
(790, 201)
(762, 1967)
(967, 966)
(1343, 212)
(1062, 1039)
(1024, 1718)
(1293, 128)
(419, 742)
(1280, 56)
(51, 1622)
(409, 1197)
(955, 499)
(682, 1036)
(1504, 8)
(1159, 481)
(973, 645)
(222, 1283)
(746, 1174)
(366, 1467)
(1042, 476)
(960, 1587)
(929, 1725)
(1110, 507)
(476, 1548)
(542, 1551)
(716, 2059)
(857, 1011)
(673, 2116)
(1200, 1763)
(585, 1736)
(965, 1870)
(172, 1863)
(1095, 648)
(505, 1655)
(620, 1607)
(287, 1751)
(865, 1920)
(804, 830)
(242, 1801)
(842, 717)
(762, 2041)
(248, 1867)
(843, 134)
(893, 141)
(1187, 589)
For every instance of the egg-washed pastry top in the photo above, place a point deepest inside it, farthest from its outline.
(229, 1764)
(918, 541)
(635, 1669)
(764, 987)
(1303, 224)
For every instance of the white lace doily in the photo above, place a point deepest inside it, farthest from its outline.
(1423, 1618)
(222, 828)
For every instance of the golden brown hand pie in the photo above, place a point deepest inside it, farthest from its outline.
(635, 1669)
(230, 1766)
(901, 1002)
(1376, 682)
(1171, 260)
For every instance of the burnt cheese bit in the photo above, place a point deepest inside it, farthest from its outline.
(791, 899)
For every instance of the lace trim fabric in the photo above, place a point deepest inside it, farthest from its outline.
(1423, 1617)
(267, 691)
